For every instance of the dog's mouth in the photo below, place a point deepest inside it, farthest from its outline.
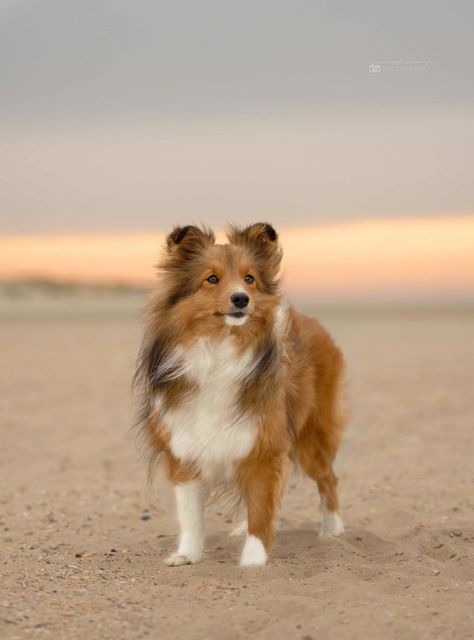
(231, 314)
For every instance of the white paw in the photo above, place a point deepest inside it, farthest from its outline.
(253, 554)
(178, 560)
(332, 525)
(240, 529)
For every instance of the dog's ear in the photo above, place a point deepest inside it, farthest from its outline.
(258, 234)
(262, 239)
(189, 241)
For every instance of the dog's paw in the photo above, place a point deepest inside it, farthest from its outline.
(178, 560)
(332, 525)
(253, 554)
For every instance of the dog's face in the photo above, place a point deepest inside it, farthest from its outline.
(211, 285)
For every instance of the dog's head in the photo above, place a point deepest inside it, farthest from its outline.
(212, 285)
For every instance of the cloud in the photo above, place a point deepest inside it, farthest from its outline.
(121, 115)
(290, 171)
(64, 61)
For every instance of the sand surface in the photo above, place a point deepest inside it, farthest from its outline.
(82, 542)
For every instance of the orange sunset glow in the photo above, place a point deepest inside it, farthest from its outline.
(411, 257)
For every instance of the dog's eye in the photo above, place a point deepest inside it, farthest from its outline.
(213, 279)
(249, 279)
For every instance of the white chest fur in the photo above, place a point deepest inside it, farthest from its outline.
(206, 427)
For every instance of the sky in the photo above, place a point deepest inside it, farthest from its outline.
(121, 117)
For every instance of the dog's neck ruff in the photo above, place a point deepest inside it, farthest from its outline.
(206, 426)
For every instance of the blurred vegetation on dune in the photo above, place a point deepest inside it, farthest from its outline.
(46, 298)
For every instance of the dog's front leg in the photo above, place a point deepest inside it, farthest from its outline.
(262, 482)
(190, 500)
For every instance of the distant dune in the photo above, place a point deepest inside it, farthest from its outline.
(50, 298)
(42, 297)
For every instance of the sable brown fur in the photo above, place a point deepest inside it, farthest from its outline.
(292, 390)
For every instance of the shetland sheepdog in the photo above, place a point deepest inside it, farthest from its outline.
(236, 386)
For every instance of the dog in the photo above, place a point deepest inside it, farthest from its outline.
(236, 386)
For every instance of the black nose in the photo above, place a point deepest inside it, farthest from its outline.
(239, 300)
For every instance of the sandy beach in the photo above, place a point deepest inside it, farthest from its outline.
(83, 541)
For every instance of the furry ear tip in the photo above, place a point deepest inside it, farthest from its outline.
(192, 234)
(270, 231)
(265, 231)
(257, 232)
(178, 234)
